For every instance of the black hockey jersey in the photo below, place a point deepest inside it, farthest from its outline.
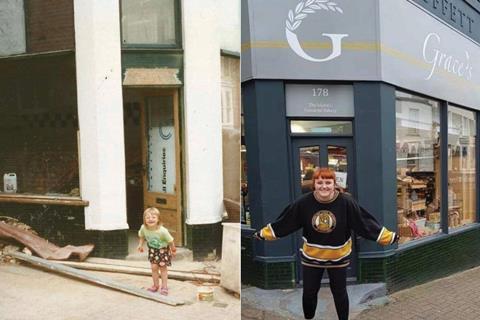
(327, 228)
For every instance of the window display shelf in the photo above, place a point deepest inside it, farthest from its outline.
(417, 207)
(418, 186)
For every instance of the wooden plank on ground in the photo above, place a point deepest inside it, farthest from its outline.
(202, 268)
(103, 281)
(172, 274)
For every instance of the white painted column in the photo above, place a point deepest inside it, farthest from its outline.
(100, 113)
(203, 119)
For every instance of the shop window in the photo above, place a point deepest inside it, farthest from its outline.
(150, 22)
(461, 167)
(418, 166)
(38, 127)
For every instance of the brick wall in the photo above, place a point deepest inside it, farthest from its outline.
(59, 224)
(205, 240)
(274, 275)
(50, 25)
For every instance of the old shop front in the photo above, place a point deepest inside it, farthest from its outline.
(94, 126)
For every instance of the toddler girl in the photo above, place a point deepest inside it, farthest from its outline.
(160, 247)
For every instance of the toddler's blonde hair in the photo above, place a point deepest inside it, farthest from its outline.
(153, 211)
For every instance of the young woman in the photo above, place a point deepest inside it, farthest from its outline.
(327, 217)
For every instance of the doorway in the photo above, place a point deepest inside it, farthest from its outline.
(335, 153)
(152, 157)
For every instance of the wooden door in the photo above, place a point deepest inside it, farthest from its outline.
(161, 158)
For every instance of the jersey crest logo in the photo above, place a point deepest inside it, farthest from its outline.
(324, 221)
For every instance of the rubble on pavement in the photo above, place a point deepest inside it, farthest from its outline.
(12, 230)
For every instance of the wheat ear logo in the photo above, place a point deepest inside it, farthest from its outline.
(295, 19)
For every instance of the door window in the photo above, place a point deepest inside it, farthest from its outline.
(338, 162)
(309, 161)
(160, 145)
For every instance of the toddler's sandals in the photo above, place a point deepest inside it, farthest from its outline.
(153, 289)
(164, 291)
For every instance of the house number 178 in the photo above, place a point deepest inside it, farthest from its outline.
(320, 92)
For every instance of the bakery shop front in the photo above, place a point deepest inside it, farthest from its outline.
(391, 107)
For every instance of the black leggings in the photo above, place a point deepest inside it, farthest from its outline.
(312, 278)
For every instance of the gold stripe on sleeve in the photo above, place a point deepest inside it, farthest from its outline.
(267, 233)
(385, 237)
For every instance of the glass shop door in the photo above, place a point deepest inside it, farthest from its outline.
(332, 152)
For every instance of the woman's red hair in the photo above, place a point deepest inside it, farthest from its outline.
(324, 173)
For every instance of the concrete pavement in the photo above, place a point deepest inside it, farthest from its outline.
(258, 304)
(451, 298)
(27, 292)
(30, 293)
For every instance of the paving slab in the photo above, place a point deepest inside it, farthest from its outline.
(31, 293)
(259, 304)
(450, 298)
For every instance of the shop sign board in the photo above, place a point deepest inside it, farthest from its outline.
(319, 100)
(428, 56)
(307, 39)
(457, 13)
(398, 42)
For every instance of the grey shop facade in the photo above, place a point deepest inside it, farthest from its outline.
(386, 93)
